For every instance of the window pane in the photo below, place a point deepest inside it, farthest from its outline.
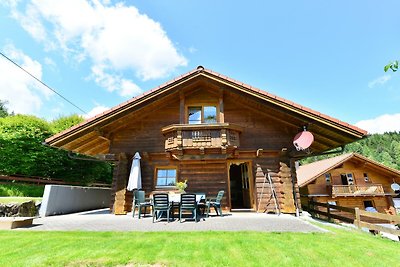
(161, 181)
(210, 114)
(171, 173)
(162, 173)
(194, 115)
(166, 177)
(171, 181)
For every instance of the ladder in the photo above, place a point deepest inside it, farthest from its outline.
(273, 194)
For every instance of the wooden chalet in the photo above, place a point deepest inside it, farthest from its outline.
(215, 132)
(349, 180)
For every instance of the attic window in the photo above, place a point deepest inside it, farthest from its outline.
(366, 178)
(202, 114)
(328, 178)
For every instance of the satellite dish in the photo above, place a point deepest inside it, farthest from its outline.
(395, 187)
(303, 140)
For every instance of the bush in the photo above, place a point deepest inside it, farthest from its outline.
(21, 190)
(22, 152)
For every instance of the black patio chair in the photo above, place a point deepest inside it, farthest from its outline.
(161, 204)
(201, 204)
(216, 203)
(140, 202)
(188, 202)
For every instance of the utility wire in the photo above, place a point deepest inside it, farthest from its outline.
(42, 82)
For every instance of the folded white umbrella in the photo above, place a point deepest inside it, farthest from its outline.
(135, 177)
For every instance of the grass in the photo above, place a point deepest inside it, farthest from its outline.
(6, 200)
(21, 190)
(337, 248)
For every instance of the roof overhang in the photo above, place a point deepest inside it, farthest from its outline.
(87, 137)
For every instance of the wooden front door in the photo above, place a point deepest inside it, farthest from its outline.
(239, 181)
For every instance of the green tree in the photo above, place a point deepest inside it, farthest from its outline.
(22, 152)
(65, 122)
(3, 109)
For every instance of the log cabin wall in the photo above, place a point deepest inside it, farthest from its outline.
(121, 199)
(281, 183)
(142, 133)
(208, 177)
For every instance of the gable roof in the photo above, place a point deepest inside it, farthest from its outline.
(306, 174)
(91, 124)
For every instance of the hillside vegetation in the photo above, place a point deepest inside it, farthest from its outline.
(22, 151)
(383, 148)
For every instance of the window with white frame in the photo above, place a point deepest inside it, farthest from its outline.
(165, 177)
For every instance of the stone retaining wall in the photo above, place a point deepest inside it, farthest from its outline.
(26, 209)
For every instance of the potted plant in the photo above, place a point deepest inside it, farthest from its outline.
(181, 186)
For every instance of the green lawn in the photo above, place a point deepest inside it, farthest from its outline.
(337, 248)
(5, 200)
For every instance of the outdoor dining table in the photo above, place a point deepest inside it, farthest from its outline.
(175, 200)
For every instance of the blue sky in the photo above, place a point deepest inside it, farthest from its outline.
(326, 55)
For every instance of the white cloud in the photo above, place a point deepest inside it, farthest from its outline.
(192, 49)
(48, 61)
(115, 38)
(24, 94)
(95, 111)
(113, 82)
(381, 124)
(379, 81)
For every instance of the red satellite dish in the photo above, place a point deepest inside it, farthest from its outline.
(303, 140)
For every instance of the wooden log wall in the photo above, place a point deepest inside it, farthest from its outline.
(282, 183)
(121, 199)
(206, 176)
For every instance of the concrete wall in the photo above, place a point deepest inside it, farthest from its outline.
(61, 199)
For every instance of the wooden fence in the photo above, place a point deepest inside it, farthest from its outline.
(355, 216)
(332, 208)
(391, 218)
(42, 181)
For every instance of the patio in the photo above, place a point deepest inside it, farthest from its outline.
(102, 220)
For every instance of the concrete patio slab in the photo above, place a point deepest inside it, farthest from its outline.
(102, 220)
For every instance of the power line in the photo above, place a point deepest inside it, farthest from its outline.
(42, 83)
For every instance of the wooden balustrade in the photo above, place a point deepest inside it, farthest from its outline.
(358, 190)
(192, 136)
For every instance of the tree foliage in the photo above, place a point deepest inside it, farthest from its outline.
(394, 66)
(22, 151)
(383, 148)
(62, 123)
(3, 109)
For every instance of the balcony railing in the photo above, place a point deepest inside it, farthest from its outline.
(357, 190)
(201, 136)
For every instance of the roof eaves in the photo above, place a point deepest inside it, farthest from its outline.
(290, 103)
(120, 106)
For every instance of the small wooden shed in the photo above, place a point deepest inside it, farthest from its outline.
(213, 131)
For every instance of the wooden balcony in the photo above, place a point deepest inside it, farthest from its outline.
(221, 136)
(357, 190)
